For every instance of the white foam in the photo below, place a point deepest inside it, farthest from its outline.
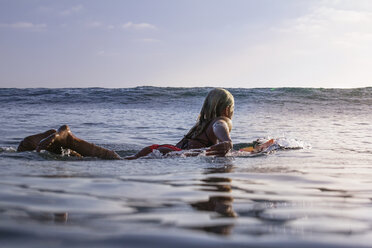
(8, 149)
(291, 143)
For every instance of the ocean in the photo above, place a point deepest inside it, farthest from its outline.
(316, 191)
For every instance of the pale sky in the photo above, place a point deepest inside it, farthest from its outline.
(188, 43)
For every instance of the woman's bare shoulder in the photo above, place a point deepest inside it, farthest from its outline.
(222, 120)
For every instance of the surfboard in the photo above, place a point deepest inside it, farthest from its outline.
(258, 148)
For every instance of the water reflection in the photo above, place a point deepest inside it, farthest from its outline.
(218, 203)
(42, 217)
(60, 217)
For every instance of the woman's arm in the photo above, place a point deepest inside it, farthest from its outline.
(221, 129)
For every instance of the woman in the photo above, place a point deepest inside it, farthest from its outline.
(212, 130)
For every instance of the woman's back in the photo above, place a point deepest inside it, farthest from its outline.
(206, 138)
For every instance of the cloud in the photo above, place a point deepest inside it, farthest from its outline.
(138, 26)
(332, 27)
(96, 24)
(127, 26)
(329, 46)
(24, 25)
(72, 10)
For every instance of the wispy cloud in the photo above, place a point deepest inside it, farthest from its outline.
(97, 24)
(138, 26)
(72, 10)
(127, 26)
(24, 25)
(328, 46)
(336, 26)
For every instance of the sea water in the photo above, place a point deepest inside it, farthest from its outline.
(318, 195)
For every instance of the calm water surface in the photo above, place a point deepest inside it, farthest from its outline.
(316, 196)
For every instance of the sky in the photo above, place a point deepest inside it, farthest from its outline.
(186, 43)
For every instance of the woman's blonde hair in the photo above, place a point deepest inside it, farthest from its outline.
(215, 103)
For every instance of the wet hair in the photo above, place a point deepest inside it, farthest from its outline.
(215, 103)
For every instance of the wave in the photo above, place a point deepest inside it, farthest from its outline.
(149, 94)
